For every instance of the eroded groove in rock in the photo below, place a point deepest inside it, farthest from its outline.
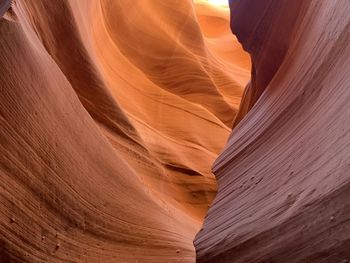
(283, 180)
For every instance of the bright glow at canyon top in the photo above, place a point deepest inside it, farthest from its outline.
(223, 3)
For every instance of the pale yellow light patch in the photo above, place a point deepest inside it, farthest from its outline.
(223, 3)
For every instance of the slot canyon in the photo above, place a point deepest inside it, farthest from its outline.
(175, 131)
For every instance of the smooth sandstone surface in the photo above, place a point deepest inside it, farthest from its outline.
(111, 115)
(283, 177)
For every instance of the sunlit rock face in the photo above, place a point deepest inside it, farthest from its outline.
(111, 115)
(283, 177)
(215, 23)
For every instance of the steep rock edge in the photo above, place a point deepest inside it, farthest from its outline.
(283, 180)
(265, 33)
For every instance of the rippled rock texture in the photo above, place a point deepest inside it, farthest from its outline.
(283, 177)
(111, 115)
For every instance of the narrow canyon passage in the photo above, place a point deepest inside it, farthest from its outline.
(112, 114)
(115, 114)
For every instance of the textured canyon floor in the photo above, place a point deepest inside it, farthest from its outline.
(115, 113)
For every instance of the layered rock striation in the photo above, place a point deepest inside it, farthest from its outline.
(283, 177)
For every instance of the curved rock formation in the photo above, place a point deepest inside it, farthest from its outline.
(283, 177)
(111, 115)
